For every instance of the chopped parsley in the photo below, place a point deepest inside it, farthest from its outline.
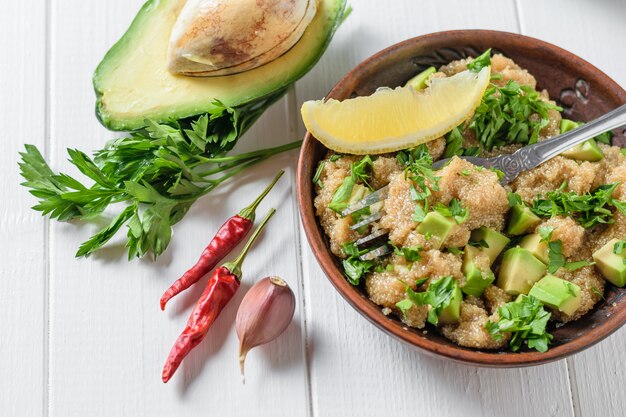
(318, 175)
(455, 142)
(481, 61)
(589, 209)
(514, 199)
(526, 319)
(455, 210)
(410, 253)
(354, 268)
(335, 157)
(503, 116)
(361, 171)
(438, 296)
(418, 166)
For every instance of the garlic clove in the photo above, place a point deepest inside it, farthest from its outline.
(219, 37)
(264, 313)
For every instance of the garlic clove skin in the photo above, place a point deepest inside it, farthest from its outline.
(264, 313)
(221, 37)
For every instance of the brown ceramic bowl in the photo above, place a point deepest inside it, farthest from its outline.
(582, 90)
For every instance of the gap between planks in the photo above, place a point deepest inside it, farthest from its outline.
(46, 227)
(292, 121)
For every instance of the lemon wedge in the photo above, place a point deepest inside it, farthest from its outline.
(394, 119)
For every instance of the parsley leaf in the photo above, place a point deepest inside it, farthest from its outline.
(454, 210)
(342, 195)
(438, 296)
(514, 199)
(318, 174)
(526, 319)
(556, 259)
(589, 209)
(419, 168)
(354, 268)
(573, 266)
(618, 247)
(361, 170)
(410, 253)
(481, 61)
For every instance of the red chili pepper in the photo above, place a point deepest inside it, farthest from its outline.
(220, 288)
(225, 240)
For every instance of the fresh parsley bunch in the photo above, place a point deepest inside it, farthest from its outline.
(156, 173)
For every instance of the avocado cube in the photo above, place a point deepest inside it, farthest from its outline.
(519, 271)
(476, 280)
(566, 125)
(359, 191)
(557, 293)
(496, 241)
(437, 226)
(610, 264)
(586, 151)
(452, 312)
(419, 81)
(521, 220)
(536, 246)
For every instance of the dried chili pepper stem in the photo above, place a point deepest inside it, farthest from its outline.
(219, 290)
(232, 232)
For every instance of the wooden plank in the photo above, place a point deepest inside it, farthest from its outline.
(23, 298)
(357, 370)
(109, 339)
(598, 38)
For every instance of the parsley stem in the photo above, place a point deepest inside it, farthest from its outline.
(253, 154)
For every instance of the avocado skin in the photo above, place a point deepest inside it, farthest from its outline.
(557, 293)
(519, 270)
(476, 280)
(438, 226)
(611, 265)
(521, 220)
(259, 98)
(536, 246)
(495, 240)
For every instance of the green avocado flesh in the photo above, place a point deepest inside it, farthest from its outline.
(476, 280)
(586, 151)
(610, 264)
(557, 293)
(521, 220)
(452, 312)
(519, 271)
(437, 226)
(419, 81)
(494, 240)
(535, 245)
(132, 82)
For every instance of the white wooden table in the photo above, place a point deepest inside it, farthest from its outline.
(86, 337)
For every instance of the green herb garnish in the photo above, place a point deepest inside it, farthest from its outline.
(361, 171)
(526, 319)
(419, 168)
(503, 116)
(455, 210)
(588, 209)
(481, 61)
(156, 174)
(438, 295)
(318, 174)
(410, 253)
(354, 268)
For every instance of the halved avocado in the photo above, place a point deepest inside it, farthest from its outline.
(132, 82)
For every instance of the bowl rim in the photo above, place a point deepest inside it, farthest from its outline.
(372, 312)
